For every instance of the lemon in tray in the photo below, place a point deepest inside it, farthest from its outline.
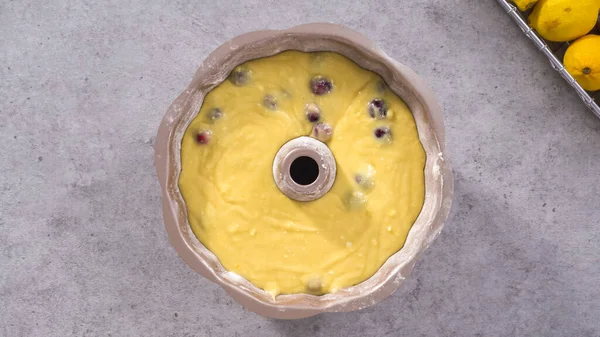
(525, 4)
(564, 20)
(582, 61)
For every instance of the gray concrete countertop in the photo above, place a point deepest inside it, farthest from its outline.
(83, 250)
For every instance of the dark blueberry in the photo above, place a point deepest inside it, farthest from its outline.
(270, 102)
(313, 117)
(203, 137)
(383, 133)
(313, 112)
(322, 131)
(380, 132)
(215, 114)
(320, 85)
(378, 108)
(240, 76)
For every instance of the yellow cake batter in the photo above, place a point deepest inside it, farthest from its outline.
(286, 246)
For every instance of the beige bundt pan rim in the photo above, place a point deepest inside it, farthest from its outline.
(402, 80)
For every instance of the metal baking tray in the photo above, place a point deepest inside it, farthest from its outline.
(555, 52)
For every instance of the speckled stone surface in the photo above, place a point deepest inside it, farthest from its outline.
(83, 251)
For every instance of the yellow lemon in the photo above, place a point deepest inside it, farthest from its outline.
(582, 61)
(525, 4)
(564, 20)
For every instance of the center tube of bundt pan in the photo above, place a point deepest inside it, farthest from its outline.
(304, 169)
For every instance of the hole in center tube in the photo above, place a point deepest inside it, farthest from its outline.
(304, 170)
